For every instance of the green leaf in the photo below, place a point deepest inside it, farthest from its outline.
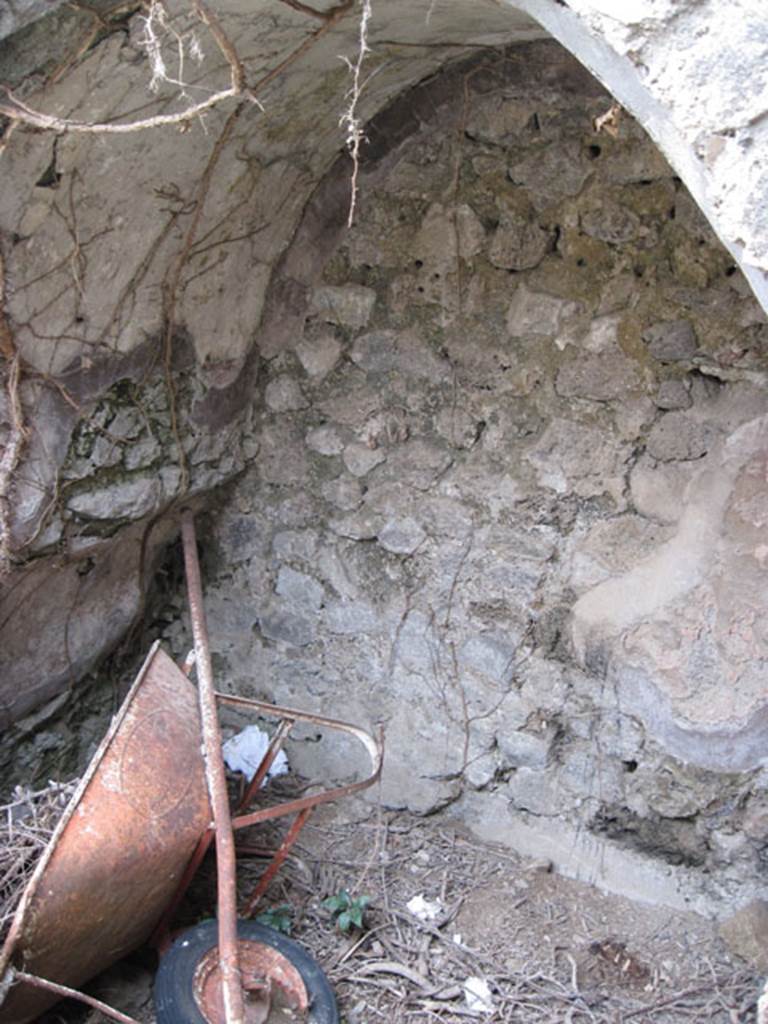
(344, 921)
(347, 910)
(278, 918)
(335, 903)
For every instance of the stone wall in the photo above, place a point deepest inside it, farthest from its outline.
(135, 273)
(505, 499)
(693, 73)
(500, 484)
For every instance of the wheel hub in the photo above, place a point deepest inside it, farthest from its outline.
(272, 987)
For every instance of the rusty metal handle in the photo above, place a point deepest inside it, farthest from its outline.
(231, 982)
(374, 747)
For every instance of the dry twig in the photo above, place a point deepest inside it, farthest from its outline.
(19, 112)
(26, 825)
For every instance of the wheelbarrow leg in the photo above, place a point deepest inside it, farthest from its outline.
(277, 861)
(229, 966)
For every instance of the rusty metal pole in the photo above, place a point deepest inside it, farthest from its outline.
(229, 965)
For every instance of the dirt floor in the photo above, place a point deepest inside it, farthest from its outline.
(540, 947)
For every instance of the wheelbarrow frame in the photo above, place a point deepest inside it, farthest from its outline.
(120, 847)
(138, 826)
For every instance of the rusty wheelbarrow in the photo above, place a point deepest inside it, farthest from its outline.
(130, 841)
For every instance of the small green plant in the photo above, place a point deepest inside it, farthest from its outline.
(278, 918)
(347, 910)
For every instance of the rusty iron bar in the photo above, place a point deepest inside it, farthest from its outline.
(374, 747)
(161, 936)
(288, 717)
(277, 861)
(285, 726)
(65, 992)
(231, 983)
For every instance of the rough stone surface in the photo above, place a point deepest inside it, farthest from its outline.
(348, 306)
(401, 536)
(697, 55)
(672, 341)
(284, 395)
(319, 355)
(746, 933)
(360, 459)
(299, 590)
(131, 499)
(538, 313)
(600, 377)
(677, 437)
(696, 627)
(471, 360)
(673, 394)
(325, 440)
(519, 555)
(518, 244)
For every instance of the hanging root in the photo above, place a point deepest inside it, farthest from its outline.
(350, 118)
(11, 453)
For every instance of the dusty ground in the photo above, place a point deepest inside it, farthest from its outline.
(549, 949)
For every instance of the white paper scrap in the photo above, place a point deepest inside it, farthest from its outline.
(424, 909)
(478, 995)
(244, 751)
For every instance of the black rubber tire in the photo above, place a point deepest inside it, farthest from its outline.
(175, 1002)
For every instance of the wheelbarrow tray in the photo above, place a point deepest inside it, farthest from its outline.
(115, 859)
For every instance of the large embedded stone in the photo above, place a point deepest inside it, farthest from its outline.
(351, 618)
(325, 440)
(678, 437)
(518, 244)
(127, 499)
(347, 305)
(470, 231)
(284, 394)
(418, 464)
(574, 456)
(493, 655)
(344, 493)
(746, 933)
(524, 749)
(406, 352)
(553, 171)
(673, 394)
(671, 341)
(319, 355)
(286, 626)
(602, 377)
(300, 544)
(360, 459)
(402, 536)
(298, 590)
(610, 222)
(538, 313)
